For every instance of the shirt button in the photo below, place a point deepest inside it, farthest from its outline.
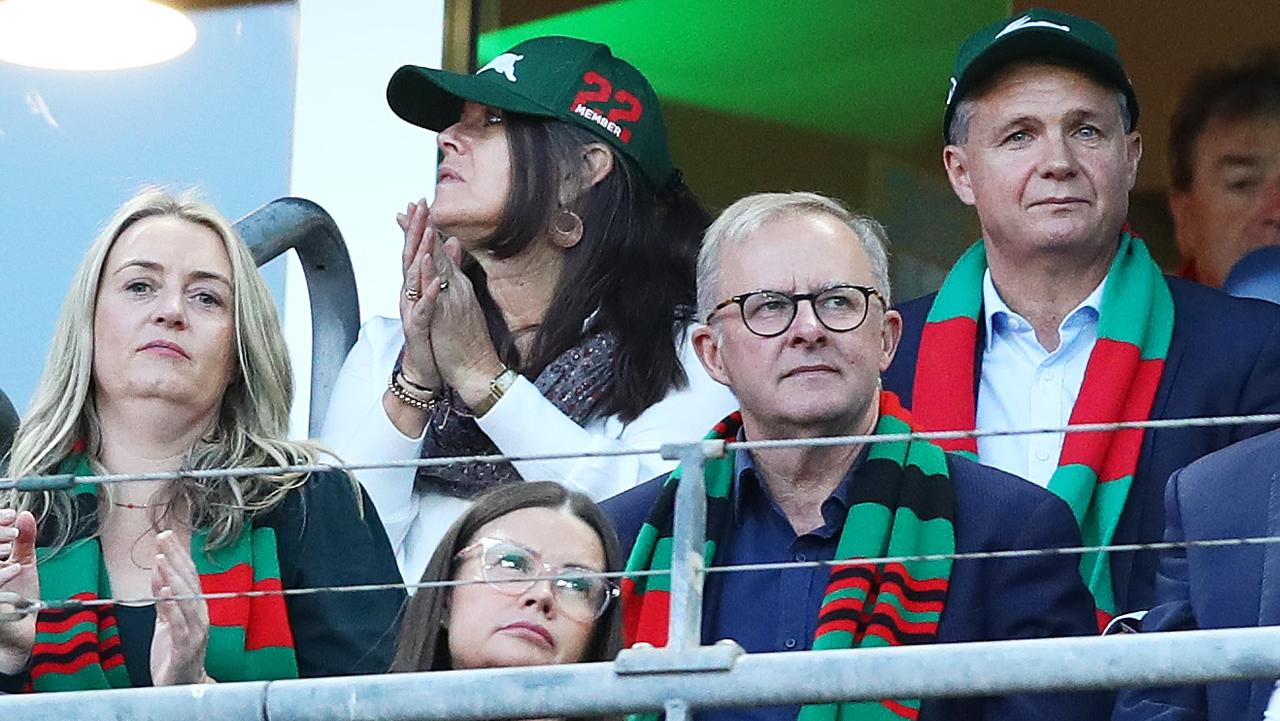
(1043, 454)
(801, 557)
(790, 643)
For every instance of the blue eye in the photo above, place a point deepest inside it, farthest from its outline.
(208, 300)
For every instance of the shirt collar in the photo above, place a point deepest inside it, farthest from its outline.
(998, 315)
(747, 481)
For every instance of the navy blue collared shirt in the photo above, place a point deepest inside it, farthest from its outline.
(773, 610)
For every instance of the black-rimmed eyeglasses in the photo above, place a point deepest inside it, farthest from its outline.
(513, 569)
(769, 313)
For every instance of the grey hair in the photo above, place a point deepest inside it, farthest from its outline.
(958, 131)
(252, 422)
(749, 214)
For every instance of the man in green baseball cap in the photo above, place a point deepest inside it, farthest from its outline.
(1058, 315)
(569, 79)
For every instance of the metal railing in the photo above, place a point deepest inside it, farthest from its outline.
(686, 674)
(304, 227)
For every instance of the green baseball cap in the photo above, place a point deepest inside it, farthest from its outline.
(572, 80)
(1037, 33)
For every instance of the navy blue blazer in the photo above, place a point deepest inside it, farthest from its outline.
(1034, 597)
(1234, 493)
(1224, 359)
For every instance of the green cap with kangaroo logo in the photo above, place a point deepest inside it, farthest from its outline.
(572, 80)
(1038, 33)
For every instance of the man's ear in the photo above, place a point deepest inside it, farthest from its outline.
(956, 163)
(890, 337)
(1133, 154)
(706, 343)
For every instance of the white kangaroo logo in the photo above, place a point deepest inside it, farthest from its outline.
(504, 64)
(1026, 22)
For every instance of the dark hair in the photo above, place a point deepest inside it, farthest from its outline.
(1231, 92)
(424, 644)
(634, 264)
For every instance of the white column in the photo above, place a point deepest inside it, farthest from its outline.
(351, 154)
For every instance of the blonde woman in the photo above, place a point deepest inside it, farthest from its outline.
(167, 357)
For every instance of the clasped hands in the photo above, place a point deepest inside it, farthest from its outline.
(182, 623)
(446, 338)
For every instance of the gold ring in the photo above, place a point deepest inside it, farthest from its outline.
(444, 285)
(412, 293)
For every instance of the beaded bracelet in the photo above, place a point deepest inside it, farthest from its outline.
(409, 397)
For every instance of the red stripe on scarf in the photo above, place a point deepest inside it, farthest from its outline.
(650, 619)
(902, 624)
(950, 404)
(1127, 445)
(905, 712)
(1118, 397)
(228, 611)
(1103, 619)
(915, 584)
(270, 627)
(914, 605)
(859, 582)
(847, 625)
(58, 649)
(85, 616)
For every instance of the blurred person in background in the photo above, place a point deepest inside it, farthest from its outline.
(1224, 167)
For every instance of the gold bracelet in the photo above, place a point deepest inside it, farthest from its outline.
(500, 384)
(408, 397)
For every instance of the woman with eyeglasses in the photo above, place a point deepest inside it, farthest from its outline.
(546, 297)
(499, 615)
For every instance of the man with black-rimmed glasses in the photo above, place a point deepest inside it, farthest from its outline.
(794, 292)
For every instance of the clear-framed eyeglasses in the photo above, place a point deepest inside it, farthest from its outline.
(513, 569)
(769, 313)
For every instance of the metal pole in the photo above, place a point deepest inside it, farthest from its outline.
(688, 539)
(302, 226)
(961, 669)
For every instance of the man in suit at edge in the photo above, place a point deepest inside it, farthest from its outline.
(1232, 493)
(1058, 314)
(794, 291)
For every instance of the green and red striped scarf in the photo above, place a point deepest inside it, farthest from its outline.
(902, 504)
(79, 649)
(1095, 470)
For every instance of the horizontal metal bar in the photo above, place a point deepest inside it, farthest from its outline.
(962, 669)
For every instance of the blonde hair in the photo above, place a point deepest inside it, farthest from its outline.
(252, 422)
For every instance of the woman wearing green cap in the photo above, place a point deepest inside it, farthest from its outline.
(546, 293)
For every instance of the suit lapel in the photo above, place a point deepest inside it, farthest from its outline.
(1129, 530)
(1269, 600)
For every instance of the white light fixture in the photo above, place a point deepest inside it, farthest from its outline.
(92, 34)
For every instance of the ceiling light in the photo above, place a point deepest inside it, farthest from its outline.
(92, 34)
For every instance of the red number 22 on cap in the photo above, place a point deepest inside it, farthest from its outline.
(598, 90)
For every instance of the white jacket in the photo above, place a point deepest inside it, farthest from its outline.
(357, 429)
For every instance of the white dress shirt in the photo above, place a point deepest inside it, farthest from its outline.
(1025, 386)
(357, 429)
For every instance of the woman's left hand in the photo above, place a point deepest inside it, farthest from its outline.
(459, 336)
(182, 625)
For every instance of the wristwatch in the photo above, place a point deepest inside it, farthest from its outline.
(497, 388)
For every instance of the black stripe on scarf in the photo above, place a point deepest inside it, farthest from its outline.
(928, 496)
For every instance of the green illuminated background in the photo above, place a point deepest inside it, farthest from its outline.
(840, 97)
(872, 70)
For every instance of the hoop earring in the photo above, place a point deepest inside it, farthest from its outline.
(568, 228)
